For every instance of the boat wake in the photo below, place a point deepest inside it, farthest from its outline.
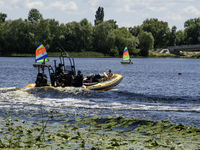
(86, 99)
(59, 92)
(7, 89)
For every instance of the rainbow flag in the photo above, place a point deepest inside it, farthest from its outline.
(126, 54)
(41, 54)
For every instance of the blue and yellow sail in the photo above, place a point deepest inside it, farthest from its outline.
(41, 54)
(126, 54)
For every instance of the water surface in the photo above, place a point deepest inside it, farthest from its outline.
(151, 89)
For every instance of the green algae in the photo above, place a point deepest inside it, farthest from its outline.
(84, 132)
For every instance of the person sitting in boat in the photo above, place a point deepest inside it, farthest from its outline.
(78, 79)
(110, 74)
(105, 75)
(58, 74)
(59, 70)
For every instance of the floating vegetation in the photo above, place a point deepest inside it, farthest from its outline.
(64, 131)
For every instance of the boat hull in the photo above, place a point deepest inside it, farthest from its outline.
(101, 86)
(123, 62)
(106, 85)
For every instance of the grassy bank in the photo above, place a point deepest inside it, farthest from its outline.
(97, 55)
(62, 131)
(88, 54)
(72, 54)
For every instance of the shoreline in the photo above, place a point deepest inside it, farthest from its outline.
(115, 57)
(90, 54)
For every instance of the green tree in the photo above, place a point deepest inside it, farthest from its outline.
(3, 17)
(61, 38)
(159, 30)
(72, 35)
(78, 36)
(192, 31)
(125, 38)
(55, 33)
(191, 21)
(34, 16)
(36, 23)
(104, 37)
(34, 32)
(113, 23)
(180, 37)
(135, 30)
(16, 37)
(87, 35)
(172, 36)
(193, 34)
(146, 42)
(99, 16)
(1, 39)
(44, 33)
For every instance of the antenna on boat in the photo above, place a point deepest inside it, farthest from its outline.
(63, 50)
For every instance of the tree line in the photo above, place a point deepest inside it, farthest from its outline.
(23, 36)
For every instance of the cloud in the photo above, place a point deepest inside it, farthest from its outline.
(126, 8)
(192, 10)
(8, 5)
(131, 6)
(103, 3)
(35, 4)
(93, 3)
(38, 4)
(173, 17)
(1, 4)
(157, 9)
(20, 4)
(14, 1)
(59, 5)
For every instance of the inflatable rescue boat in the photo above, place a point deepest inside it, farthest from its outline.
(65, 76)
(100, 86)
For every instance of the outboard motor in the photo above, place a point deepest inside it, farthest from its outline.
(41, 80)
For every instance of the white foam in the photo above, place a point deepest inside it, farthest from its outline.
(7, 88)
(73, 90)
(23, 96)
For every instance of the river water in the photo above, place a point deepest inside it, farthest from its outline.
(151, 89)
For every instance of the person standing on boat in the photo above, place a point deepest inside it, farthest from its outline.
(78, 79)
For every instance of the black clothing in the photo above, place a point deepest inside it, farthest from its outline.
(41, 80)
(78, 80)
(59, 71)
(58, 76)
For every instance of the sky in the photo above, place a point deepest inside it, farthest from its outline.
(127, 13)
